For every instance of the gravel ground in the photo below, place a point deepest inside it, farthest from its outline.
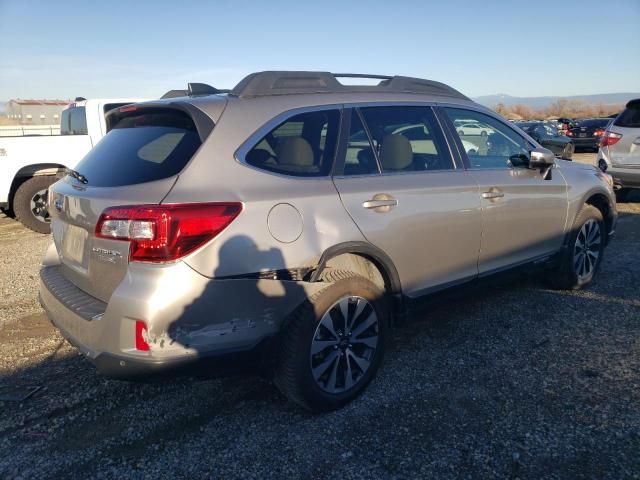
(20, 253)
(510, 380)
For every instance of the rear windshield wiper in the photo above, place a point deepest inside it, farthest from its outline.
(77, 175)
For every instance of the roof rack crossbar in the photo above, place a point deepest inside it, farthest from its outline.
(297, 82)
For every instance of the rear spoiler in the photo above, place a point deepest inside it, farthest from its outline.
(204, 124)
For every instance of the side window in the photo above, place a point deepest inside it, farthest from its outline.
(360, 158)
(74, 121)
(64, 122)
(406, 139)
(496, 145)
(303, 145)
(550, 131)
(541, 131)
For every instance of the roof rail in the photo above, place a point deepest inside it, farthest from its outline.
(295, 82)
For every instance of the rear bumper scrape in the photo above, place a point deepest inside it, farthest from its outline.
(188, 317)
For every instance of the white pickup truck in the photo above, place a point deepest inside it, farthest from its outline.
(28, 165)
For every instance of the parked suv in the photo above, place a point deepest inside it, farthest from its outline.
(294, 218)
(619, 152)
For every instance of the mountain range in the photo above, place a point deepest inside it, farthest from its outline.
(541, 102)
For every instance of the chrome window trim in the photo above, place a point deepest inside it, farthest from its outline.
(393, 174)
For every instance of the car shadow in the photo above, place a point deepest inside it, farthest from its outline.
(234, 322)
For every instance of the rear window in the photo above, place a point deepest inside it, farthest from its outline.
(73, 121)
(629, 118)
(142, 146)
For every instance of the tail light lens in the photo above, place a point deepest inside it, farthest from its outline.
(568, 133)
(163, 233)
(609, 138)
(598, 132)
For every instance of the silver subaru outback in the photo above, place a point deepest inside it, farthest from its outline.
(293, 218)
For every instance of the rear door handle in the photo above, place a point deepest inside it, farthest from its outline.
(493, 193)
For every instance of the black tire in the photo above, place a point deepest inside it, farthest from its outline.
(22, 203)
(566, 275)
(293, 373)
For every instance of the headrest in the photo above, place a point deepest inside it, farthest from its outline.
(396, 152)
(295, 151)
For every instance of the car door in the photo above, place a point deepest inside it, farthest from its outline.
(524, 212)
(399, 183)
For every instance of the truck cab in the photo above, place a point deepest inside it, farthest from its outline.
(31, 164)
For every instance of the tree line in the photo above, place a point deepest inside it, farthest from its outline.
(559, 108)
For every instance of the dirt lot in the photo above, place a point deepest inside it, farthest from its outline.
(512, 380)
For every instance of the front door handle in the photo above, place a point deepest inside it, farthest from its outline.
(493, 193)
(381, 202)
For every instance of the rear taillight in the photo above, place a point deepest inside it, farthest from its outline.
(609, 138)
(598, 132)
(569, 133)
(162, 233)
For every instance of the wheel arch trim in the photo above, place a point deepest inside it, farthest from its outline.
(609, 216)
(33, 170)
(382, 261)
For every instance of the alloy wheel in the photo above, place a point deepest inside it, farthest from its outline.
(587, 249)
(38, 206)
(344, 344)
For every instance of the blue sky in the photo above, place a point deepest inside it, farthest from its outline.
(141, 48)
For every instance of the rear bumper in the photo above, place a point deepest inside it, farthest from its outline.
(124, 367)
(585, 142)
(189, 318)
(625, 177)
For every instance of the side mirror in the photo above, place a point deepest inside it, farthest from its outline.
(541, 158)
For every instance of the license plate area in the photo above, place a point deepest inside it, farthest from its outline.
(73, 244)
(582, 135)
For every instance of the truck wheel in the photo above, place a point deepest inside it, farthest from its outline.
(333, 344)
(581, 260)
(30, 203)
